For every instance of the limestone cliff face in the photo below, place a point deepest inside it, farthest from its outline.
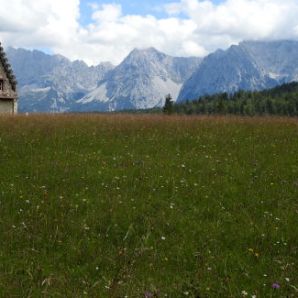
(52, 83)
(141, 81)
(251, 65)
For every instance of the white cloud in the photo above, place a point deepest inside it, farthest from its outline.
(108, 13)
(237, 20)
(112, 35)
(34, 23)
(192, 27)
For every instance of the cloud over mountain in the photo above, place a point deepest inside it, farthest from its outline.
(187, 27)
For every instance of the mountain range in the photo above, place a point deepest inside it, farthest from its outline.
(52, 83)
(252, 65)
(141, 81)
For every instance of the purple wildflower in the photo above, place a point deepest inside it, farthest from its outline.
(148, 294)
(275, 285)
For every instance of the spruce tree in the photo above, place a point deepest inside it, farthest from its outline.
(169, 105)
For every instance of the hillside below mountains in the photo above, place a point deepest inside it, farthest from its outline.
(281, 100)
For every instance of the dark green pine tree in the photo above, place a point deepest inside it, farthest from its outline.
(169, 105)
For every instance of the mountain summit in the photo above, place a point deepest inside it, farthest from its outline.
(52, 83)
(141, 81)
(252, 65)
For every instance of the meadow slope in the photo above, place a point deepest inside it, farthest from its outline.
(148, 206)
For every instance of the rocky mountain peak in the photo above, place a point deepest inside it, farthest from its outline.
(53, 83)
(251, 65)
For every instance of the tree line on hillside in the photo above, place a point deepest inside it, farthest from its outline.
(281, 100)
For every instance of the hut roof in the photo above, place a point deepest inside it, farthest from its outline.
(7, 67)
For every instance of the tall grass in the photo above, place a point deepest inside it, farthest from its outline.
(148, 206)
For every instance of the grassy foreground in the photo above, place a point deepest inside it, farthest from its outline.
(148, 206)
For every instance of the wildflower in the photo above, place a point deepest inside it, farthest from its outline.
(163, 238)
(275, 285)
(148, 294)
(287, 279)
(244, 293)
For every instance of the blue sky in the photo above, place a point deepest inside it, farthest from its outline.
(138, 7)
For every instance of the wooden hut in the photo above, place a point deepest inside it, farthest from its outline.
(8, 83)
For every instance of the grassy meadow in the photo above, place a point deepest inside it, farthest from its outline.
(148, 206)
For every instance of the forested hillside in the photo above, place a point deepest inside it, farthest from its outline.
(281, 100)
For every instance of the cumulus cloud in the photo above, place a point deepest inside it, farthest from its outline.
(113, 35)
(192, 27)
(235, 20)
(34, 23)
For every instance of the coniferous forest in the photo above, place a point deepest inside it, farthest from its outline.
(281, 100)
